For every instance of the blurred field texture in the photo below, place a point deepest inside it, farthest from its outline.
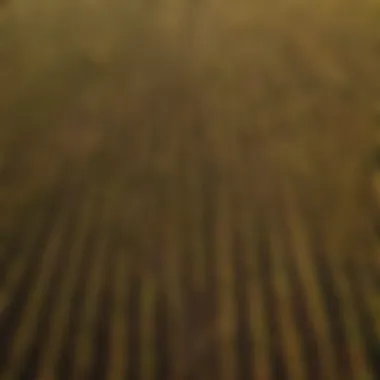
(189, 190)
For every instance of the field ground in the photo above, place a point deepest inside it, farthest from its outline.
(188, 190)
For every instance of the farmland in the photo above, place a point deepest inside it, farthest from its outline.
(188, 190)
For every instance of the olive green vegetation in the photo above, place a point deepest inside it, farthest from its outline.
(149, 138)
